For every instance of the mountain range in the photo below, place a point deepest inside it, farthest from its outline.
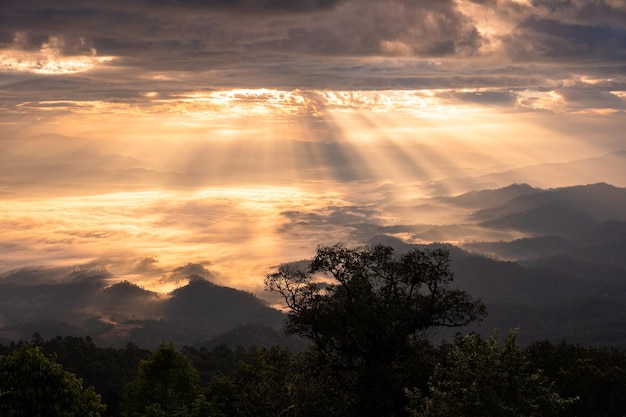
(604, 168)
(562, 278)
(123, 312)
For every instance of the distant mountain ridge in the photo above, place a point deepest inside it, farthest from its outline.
(564, 280)
(583, 221)
(561, 276)
(599, 201)
(607, 168)
(491, 197)
(123, 312)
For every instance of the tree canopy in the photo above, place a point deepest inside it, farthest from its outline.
(166, 384)
(32, 385)
(367, 311)
(489, 378)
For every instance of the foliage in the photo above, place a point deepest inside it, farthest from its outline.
(221, 360)
(367, 312)
(596, 375)
(33, 385)
(263, 381)
(166, 383)
(276, 382)
(108, 370)
(487, 378)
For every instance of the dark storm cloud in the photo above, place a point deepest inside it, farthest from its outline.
(251, 5)
(498, 98)
(585, 98)
(191, 45)
(554, 30)
(79, 275)
(357, 27)
(550, 38)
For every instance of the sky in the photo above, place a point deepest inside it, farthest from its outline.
(141, 136)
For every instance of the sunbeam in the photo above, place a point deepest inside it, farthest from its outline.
(246, 178)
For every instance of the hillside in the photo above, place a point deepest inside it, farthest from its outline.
(607, 168)
(569, 252)
(122, 312)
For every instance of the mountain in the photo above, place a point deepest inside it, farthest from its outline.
(606, 168)
(117, 314)
(524, 248)
(128, 299)
(491, 198)
(551, 261)
(208, 309)
(255, 335)
(557, 298)
(600, 202)
(561, 221)
(562, 276)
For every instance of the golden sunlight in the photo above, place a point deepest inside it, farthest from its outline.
(237, 230)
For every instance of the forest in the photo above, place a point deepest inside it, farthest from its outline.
(367, 315)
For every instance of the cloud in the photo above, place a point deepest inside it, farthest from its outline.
(392, 27)
(189, 272)
(87, 274)
(147, 266)
(548, 38)
(587, 98)
(153, 33)
(251, 6)
(497, 98)
(117, 51)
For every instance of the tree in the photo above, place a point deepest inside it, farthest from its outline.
(264, 380)
(487, 378)
(272, 382)
(367, 312)
(597, 376)
(32, 385)
(166, 384)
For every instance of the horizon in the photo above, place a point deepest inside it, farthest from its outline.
(144, 137)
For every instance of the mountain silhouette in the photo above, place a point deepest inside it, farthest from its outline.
(492, 198)
(208, 309)
(605, 168)
(561, 211)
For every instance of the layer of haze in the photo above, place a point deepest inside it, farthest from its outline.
(142, 136)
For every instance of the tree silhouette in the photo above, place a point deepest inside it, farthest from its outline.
(367, 312)
(32, 385)
(488, 378)
(166, 384)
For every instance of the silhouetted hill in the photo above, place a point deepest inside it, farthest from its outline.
(126, 298)
(491, 198)
(127, 290)
(81, 304)
(578, 267)
(605, 243)
(202, 310)
(600, 202)
(525, 248)
(612, 231)
(255, 335)
(601, 244)
(551, 219)
(605, 168)
(568, 279)
(209, 309)
(587, 320)
(498, 281)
